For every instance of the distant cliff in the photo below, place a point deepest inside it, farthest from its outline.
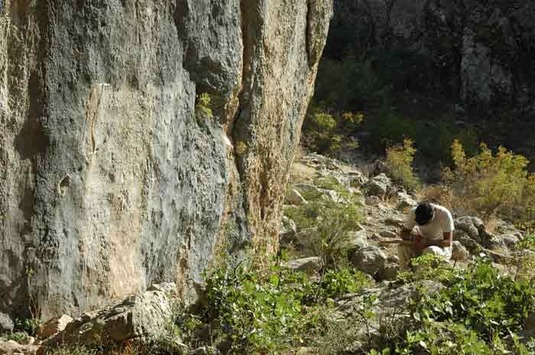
(139, 139)
(480, 52)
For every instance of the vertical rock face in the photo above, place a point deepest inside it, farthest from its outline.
(113, 175)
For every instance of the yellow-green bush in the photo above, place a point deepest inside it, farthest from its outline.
(488, 183)
(203, 106)
(325, 132)
(399, 161)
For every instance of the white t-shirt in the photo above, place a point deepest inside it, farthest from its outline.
(442, 222)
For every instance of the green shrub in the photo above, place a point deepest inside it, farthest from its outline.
(326, 133)
(256, 313)
(203, 106)
(479, 311)
(399, 161)
(336, 283)
(28, 325)
(267, 311)
(327, 224)
(487, 182)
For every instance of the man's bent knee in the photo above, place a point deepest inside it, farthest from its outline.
(438, 251)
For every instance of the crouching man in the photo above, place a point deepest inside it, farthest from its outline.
(430, 229)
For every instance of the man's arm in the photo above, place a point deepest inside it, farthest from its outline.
(405, 234)
(447, 239)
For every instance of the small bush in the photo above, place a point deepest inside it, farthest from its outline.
(203, 107)
(327, 132)
(487, 182)
(28, 325)
(399, 161)
(327, 225)
(253, 311)
(480, 311)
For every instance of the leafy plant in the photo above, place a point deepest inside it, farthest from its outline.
(479, 311)
(487, 182)
(203, 107)
(253, 310)
(28, 325)
(327, 224)
(399, 161)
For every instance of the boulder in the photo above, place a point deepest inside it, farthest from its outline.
(6, 324)
(356, 178)
(459, 251)
(141, 316)
(369, 260)
(294, 197)
(471, 226)
(309, 265)
(379, 186)
(389, 272)
(373, 200)
(396, 221)
(287, 231)
(466, 241)
(53, 326)
(405, 201)
(510, 241)
(11, 347)
(358, 239)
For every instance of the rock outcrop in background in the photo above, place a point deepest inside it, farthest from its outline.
(479, 52)
(110, 178)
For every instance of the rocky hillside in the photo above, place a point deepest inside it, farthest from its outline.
(136, 138)
(365, 318)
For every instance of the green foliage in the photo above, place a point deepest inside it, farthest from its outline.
(399, 161)
(429, 267)
(19, 337)
(325, 132)
(479, 311)
(487, 182)
(254, 310)
(524, 261)
(265, 312)
(336, 283)
(28, 325)
(203, 106)
(327, 223)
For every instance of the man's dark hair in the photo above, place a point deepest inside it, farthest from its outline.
(424, 213)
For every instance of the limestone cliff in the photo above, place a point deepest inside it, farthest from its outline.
(110, 178)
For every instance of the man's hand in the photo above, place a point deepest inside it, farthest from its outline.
(447, 239)
(419, 243)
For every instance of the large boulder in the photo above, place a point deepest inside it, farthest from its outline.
(53, 326)
(311, 265)
(143, 316)
(370, 260)
(380, 185)
(471, 226)
(11, 347)
(6, 324)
